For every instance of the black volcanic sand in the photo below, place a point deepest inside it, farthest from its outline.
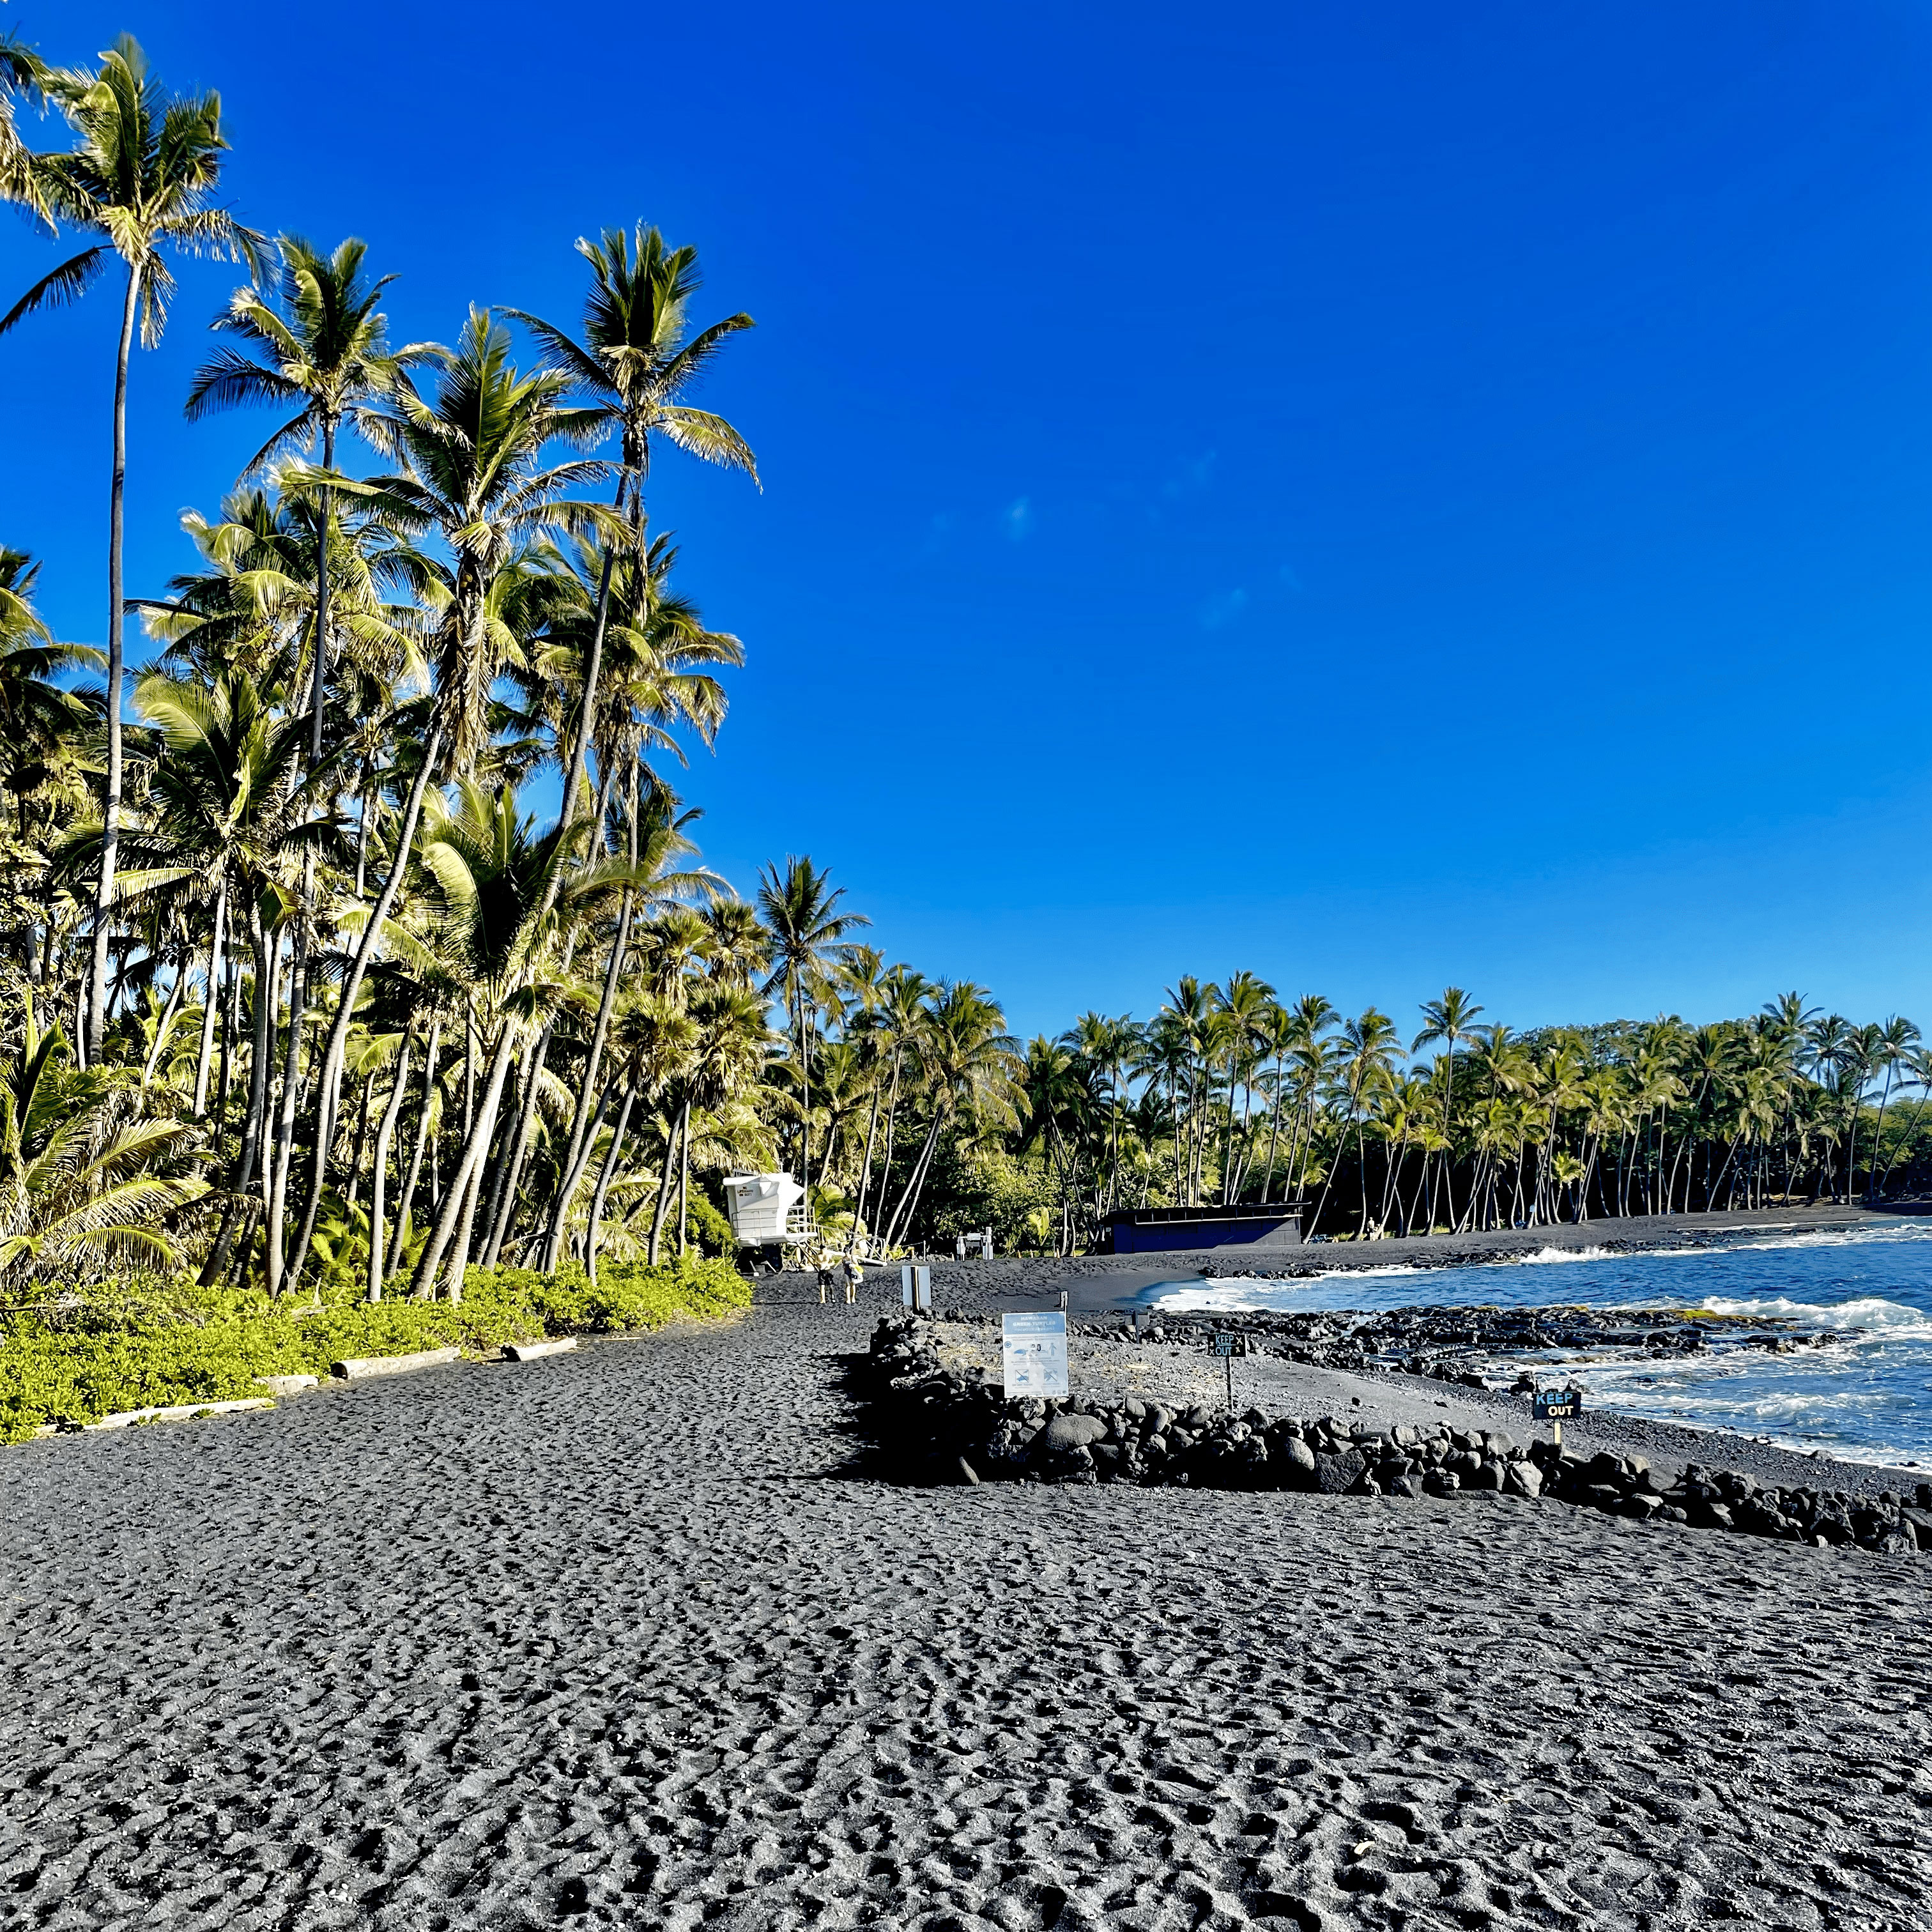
(610, 1638)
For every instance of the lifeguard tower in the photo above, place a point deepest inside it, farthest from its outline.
(767, 1210)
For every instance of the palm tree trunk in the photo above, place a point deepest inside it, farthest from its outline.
(620, 945)
(110, 815)
(409, 1189)
(663, 1207)
(164, 1023)
(384, 1131)
(684, 1181)
(913, 1182)
(458, 1201)
(351, 985)
(214, 944)
(865, 1170)
(262, 1026)
(283, 1148)
(532, 1073)
(597, 1199)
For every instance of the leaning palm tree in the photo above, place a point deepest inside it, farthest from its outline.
(141, 173)
(635, 362)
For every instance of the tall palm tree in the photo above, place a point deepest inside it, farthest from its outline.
(141, 173)
(800, 906)
(1451, 1022)
(635, 360)
(474, 455)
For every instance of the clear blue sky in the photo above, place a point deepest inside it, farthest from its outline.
(1379, 496)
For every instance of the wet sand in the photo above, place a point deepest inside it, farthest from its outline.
(617, 1638)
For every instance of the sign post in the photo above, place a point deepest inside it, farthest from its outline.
(1552, 1406)
(916, 1288)
(1034, 1351)
(1227, 1345)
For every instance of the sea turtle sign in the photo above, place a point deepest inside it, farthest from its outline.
(1558, 1404)
(1035, 1350)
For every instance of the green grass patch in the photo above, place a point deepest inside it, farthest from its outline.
(158, 1343)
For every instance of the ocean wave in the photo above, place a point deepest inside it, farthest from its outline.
(1868, 1312)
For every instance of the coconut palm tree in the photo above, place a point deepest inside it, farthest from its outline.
(141, 173)
(636, 360)
(82, 1175)
(22, 75)
(1450, 1022)
(325, 354)
(799, 906)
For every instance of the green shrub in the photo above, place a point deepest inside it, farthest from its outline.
(162, 1343)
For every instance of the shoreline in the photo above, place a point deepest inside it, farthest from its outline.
(1102, 1286)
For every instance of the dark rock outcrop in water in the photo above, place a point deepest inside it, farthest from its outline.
(1444, 1342)
(939, 1424)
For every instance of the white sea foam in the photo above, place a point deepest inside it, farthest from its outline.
(1894, 1318)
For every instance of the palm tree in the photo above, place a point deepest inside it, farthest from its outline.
(493, 881)
(1245, 1005)
(473, 453)
(800, 909)
(142, 173)
(327, 355)
(1450, 1020)
(36, 712)
(83, 1179)
(22, 74)
(635, 362)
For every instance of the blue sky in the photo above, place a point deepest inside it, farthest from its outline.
(1381, 496)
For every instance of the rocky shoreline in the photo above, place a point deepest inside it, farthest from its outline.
(940, 1421)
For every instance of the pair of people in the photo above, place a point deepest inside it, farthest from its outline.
(849, 1276)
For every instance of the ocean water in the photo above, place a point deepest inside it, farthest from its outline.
(1867, 1397)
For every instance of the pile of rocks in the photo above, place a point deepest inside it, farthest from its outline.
(950, 1424)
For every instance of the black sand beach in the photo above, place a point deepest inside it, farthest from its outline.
(616, 1638)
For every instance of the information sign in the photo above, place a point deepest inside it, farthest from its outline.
(916, 1288)
(1035, 1349)
(1558, 1404)
(1227, 1344)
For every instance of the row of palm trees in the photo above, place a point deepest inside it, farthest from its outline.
(1229, 1096)
(294, 980)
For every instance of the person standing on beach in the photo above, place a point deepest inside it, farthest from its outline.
(854, 1275)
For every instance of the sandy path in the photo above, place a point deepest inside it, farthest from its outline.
(601, 1638)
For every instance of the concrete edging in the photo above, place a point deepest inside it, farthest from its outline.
(363, 1368)
(533, 1351)
(184, 1411)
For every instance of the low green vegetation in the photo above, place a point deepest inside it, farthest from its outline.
(153, 1343)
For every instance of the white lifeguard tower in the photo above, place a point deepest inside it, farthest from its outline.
(767, 1209)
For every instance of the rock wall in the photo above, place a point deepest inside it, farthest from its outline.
(938, 1425)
